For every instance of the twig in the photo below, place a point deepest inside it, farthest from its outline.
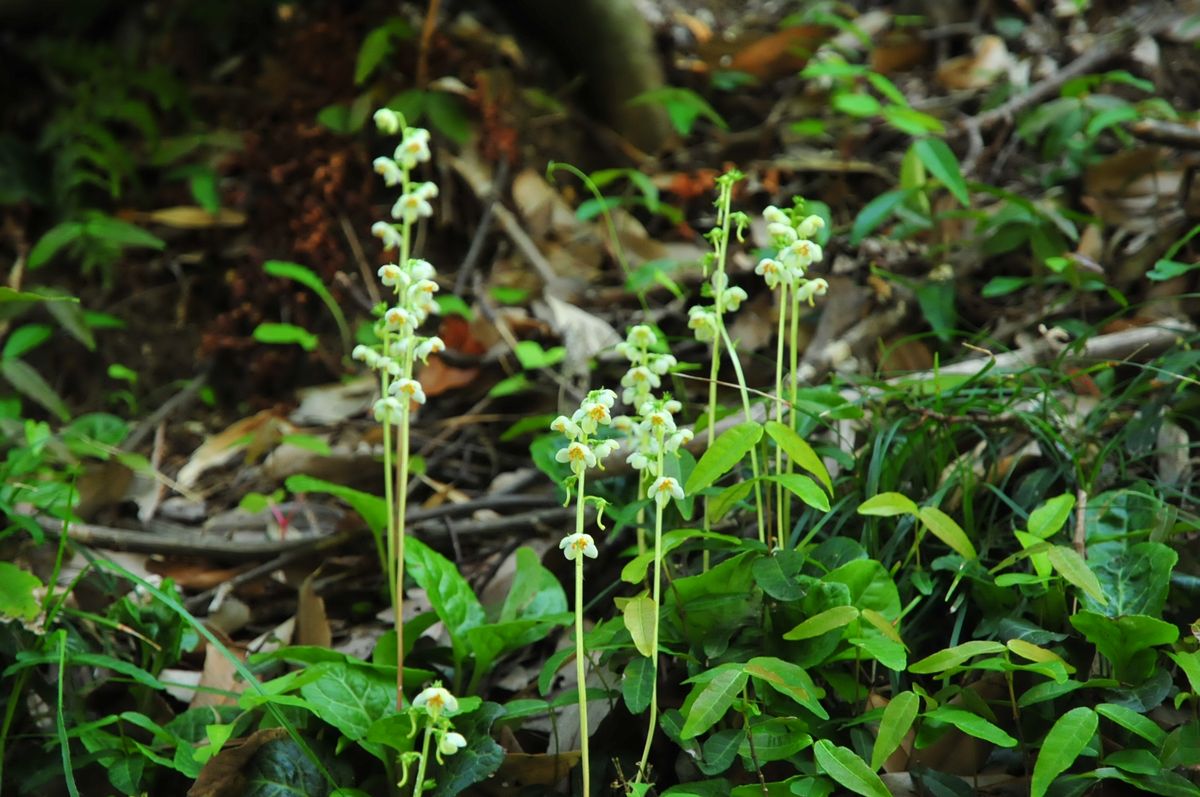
(360, 257)
(1160, 131)
(172, 405)
(427, 28)
(1081, 521)
(485, 225)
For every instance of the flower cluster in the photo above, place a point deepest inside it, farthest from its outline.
(646, 368)
(791, 236)
(411, 280)
(703, 320)
(655, 436)
(583, 449)
(433, 709)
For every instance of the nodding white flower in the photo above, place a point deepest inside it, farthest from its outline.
(578, 456)
(801, 255)
(605, 396)
(733, 298)
(392, 174)
(573, 545)
(628, 351)
(771, 270)
(388, 410)
(622, 423)
(720, 281)
(391, 275)
(399, 347)
(679, 439)
(662, 363)
(604, 448)
(671, 405)
(410, 207)
(703, 323)
(660, 422)
(810, 226)
(641, 377)
(638, 461)
(425, 190)
(451, 743)
(810, 289)
(414, 147)
(423, 286)
(565, 425)
(774, 215)
(388, 364)
(434, 345)
(782, 234)
(664, 489)
(641, 336)
(421, 269)
(388, 234)
(591, 414)
(436, 701)
(398, 318)
(410, 389)
(388, 121)
(362, 353)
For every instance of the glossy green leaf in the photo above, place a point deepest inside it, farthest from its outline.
(639, 614)
(1133, 579)
(788, 679)
(851, 772)
(803, 488)
(18, 593)
(952, 657)
(448, 592)
(888, 505)
(719, 750)
(25, 379)
(1134, 722)
(971, 724)
(1068, 737)
(1072, 567)
(712, 699)
(1049, 518)
(875, 212)
(636, 684)
(350, 697)
(943, 165)
(285, 334)
(1126, 641)
(826, 621)
(726, 451)
(897, 721)
(947, 530)
(774, 739)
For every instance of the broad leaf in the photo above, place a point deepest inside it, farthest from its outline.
(448, 592)
(952, 657)
(712, 699)
(947, 530)
(726, 451)
(1048, 519)
(800, 452)
(1069, 736)
(851, 772)
(888, 505)
(639, 614)
(1072, 567)
(787, 679)
(897, 721)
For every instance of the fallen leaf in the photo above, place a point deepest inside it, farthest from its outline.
(780, 54)
(222, 774)
(312, 623)
(437, 377)
(191, 217)
(990, 60)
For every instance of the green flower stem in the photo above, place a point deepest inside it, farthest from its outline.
(657, 596)
(401, 511)
(580, 674)
(741, 378)
(389, 477)
(780, 335)
(794, 344)
(713, 374)
(420, 783)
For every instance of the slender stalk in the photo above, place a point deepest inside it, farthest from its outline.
(657, 597)
(401, 511)
(418, 787)
(392, 535)
(754, 469)
(580, 674)
(713, 374)
(780, 335)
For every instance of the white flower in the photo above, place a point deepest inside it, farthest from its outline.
(604, 448)
(398, 318)
(392, 175)
(451, 743)
(410, 207)
(641, 336)
(810, 227)
(414, 147)
(434, 345)
(436, 700)
(421, 269)
(627, 351)
(565, 425)
(801, 255)
(660, 422)
(622, 423)
(771, 270)
(388, 364)
(637, 460)
(390, 274)
(388, 234)
(782, 234)
(811, 288)
(703, 322)
(362, 353)
(388, 121)
(591, 414)
(662, 363)
(388, 410)
(409, 388)
(720, 281)
(425, 190)
(733, 298)
(604, 396)
(680, 438)
(575, 544)
(579, 456)
(664, 489)
(774, 215)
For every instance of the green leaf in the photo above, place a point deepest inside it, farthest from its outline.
(945, 529)
(476, 762)
(281, 768)
(55, 239)
(8, 295)
(859, 105)
(27, 381)
(636, 684)
(897, 720)
(639, 614)
(121, 233)
(712, 699)
(774, 739)
(531, 355)
(285, 334)
(952, 657)
(803, 488)
(371, 508)
(448, 592)
(826, 621)
(535, 592)
(308, 442)
(800, 453)
(70, 316)
(971, 724)
(851, 772)
(1049, 518)
(1068, 737)
(1071, 566)
(942, 164)
(350, 696)
(18, 598)
(448, 115)
(1134, 722)
(888, 505)
(1134, 579)
(912, 121)
(376, 46)
(777, 574)
(25, 339)
(1126, 641)
(788, 679)
(875, 212)
(726, 451)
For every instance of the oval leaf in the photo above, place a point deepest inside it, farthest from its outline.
(712, 701)
(850, 771)
(888, 505)
(1071, 566)
(726, 451)
(1050, 516)
(639, 614)
(897, 721)
(800, 452)
(952, 657)
(826, 621)
(942, 164)
(945, 529)
(1063, 744)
